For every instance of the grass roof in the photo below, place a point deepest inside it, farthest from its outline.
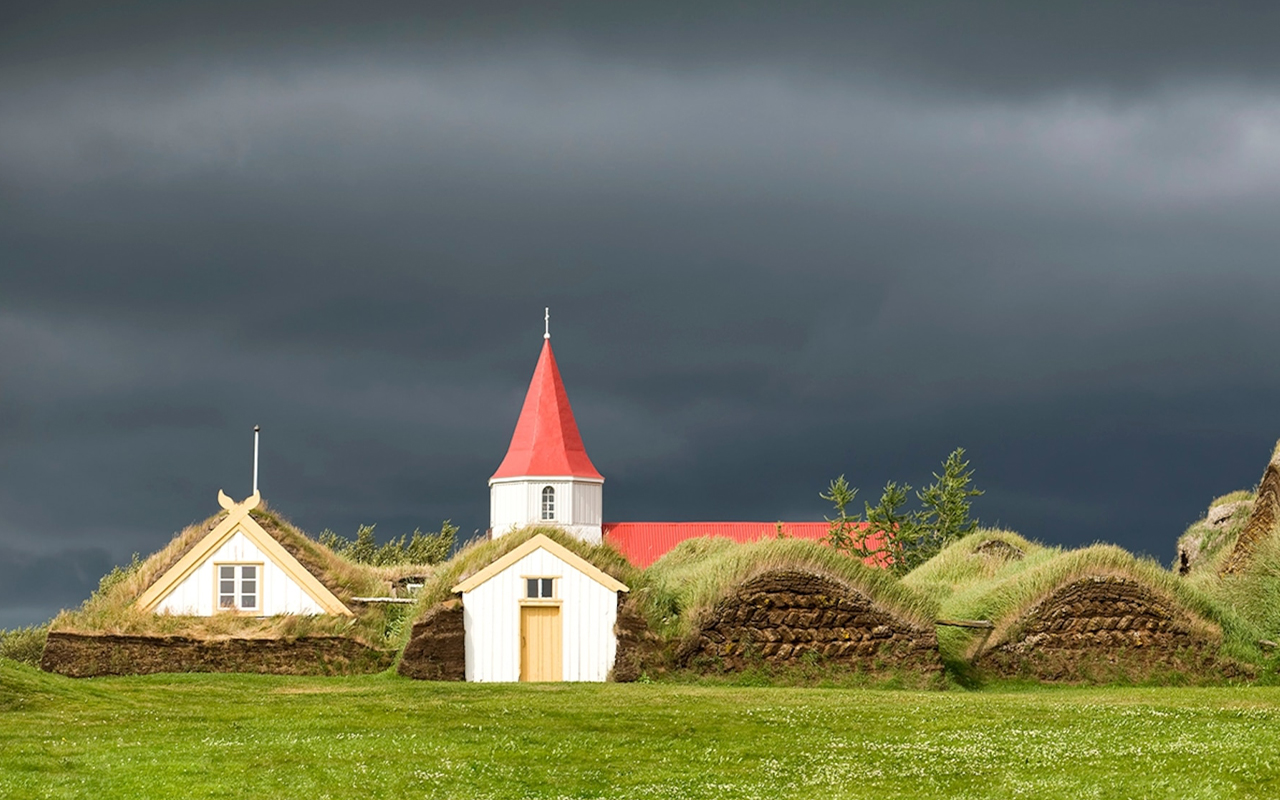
(973, 562)
(481, 553)
(113, 609)
(697, 574)
(1007, 596)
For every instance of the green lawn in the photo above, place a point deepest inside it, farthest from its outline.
(240, 736)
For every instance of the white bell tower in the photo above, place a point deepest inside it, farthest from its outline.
(547, 477)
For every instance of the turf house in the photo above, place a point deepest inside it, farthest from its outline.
(242, 591)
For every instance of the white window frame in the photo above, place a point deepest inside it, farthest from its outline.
(541, 599)
(548, 508)
(239, 580)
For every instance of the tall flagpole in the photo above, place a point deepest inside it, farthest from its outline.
(256, 430)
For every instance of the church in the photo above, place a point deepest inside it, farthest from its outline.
(547, 478)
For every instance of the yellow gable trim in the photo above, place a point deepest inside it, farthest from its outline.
(238, 519)
(544, 542)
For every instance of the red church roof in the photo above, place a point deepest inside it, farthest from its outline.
(546, 442)
(645, 542)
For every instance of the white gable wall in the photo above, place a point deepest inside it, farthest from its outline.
(491, 615)
(280, 595)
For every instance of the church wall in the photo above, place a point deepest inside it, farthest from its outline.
(279, 594)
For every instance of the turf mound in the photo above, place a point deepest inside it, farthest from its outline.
(109, 631)
(1098, 614)
(86, 656)
(1262, 518)
(437, 649)
(784, 602)
(785, 617)
(974, 561)
(1000, 549)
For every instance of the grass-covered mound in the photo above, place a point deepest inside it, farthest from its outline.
(1205, 545)
(110, 634)
(972, 563)
(434, 648)
(787, 603)
(1253, 590)
(1263, 519)
(1099, 614)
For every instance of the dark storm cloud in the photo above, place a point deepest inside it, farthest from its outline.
(1002, 47)
(778, 246)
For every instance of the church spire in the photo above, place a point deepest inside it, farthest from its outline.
(546, 442)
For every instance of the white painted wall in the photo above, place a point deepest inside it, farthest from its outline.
(517, 502)
(491, 616)
(280, 595)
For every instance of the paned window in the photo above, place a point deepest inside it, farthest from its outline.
(539, 588)
(549, 502)
(238, 587)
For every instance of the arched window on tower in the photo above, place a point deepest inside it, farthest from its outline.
(548, 502)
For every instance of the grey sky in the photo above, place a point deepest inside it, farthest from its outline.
(778, 246)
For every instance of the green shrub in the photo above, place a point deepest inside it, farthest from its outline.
(116, 576)
(415, 548)
(914, 537)
(24, 645)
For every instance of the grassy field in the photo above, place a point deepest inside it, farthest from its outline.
(380, 736)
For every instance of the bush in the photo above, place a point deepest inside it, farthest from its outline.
(116, 576)
(415, 548)
(24, 645)
(913, 537)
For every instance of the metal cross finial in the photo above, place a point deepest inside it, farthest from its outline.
(547, 320)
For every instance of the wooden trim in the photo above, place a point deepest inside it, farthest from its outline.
(186, 565)
(542, 601)
(238, 519)
(544, 542)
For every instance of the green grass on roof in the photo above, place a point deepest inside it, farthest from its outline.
(481, 553)
(1238, 496)
(960, 568)
(1007, 597)
(1254, 592)
(113, 609)
(696, 576)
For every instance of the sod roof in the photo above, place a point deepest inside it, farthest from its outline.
(113, 609)
(697, 574)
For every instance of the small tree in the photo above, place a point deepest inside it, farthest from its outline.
(946, 500)
(841, 530)
(911, 537)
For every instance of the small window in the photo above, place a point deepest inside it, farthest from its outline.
(540, 588)
(549, 502)
(238, 587)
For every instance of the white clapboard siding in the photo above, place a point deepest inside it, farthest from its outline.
(491, 614)
(513, 504)
(280, 595)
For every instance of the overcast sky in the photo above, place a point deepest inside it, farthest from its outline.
(777, 246)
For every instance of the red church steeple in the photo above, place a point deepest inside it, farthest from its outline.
(546, 442)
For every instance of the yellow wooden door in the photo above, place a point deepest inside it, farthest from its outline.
(540, 648)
